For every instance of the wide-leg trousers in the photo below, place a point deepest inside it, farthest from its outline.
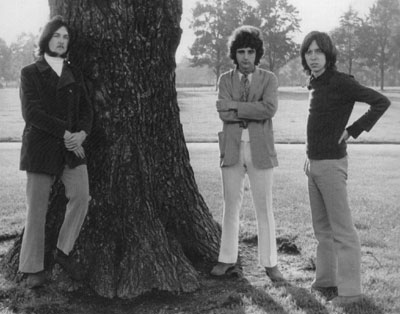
(38, 189)
(261, 190)
(338, 249)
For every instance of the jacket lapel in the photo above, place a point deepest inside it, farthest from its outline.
(42, 65)
(235, 85)
(48, 75)
(66, 77)
(253, 84)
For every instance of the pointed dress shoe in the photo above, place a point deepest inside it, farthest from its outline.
(69, 265)
(274, 274)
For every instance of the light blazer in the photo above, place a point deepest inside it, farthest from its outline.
(258, 111)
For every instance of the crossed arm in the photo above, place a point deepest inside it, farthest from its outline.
(231, 110)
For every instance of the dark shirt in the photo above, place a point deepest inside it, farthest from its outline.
(332, 98)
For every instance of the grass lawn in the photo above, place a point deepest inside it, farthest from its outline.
(201, 123)
(373, 177)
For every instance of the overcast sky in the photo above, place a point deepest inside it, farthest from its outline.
(17, 16)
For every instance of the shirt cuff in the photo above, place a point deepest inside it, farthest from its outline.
(354, 130)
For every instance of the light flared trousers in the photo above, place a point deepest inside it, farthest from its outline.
(261, 190)
(38, 189)
(338, 249)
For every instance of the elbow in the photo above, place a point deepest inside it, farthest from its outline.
(268, 114)
(388, 103)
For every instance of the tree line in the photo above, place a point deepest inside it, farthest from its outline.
(15, 56)
(368, 47)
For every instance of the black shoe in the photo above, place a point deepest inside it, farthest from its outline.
(222, 269)
(69, 265)
(36, 280)
(274, 274)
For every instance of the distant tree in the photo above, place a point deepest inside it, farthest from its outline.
(22, 53)
(395, 53)
(278, 21)
(213, 22)
(292, 74)
(378, 32)
(346, 38)
(5, 61)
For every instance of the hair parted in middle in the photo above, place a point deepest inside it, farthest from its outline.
(246, 36)
(49, 29)
(324, 43)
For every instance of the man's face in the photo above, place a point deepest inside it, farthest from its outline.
(245, 58)
(58, 43)
(316, 59)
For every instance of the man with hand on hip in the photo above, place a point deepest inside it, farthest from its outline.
(332, 98)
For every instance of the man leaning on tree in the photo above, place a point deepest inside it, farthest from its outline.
(58, 118)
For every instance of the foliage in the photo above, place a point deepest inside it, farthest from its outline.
(368, 47)
(379, 32)
(346, 38)
(278, 21)
(22, 53)
(15, 56)
(213, 22)
(5, 60)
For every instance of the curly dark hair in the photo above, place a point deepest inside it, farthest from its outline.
(48, 30)
(246, 36)
(324, 43)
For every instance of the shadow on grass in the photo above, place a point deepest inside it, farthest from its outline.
(307, 302)
(367, 306)
(228, 294)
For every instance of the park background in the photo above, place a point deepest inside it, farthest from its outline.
(373, 177)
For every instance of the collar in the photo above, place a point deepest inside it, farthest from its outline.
(66, 78)
(323, 79)
(42, 64)
(249, 75)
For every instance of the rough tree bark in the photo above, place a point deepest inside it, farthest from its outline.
(147, 223)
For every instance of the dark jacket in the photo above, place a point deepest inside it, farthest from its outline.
(50, 106)
(332, 98)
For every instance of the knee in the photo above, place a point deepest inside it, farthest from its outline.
(79, 196)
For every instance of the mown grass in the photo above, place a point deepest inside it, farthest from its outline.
(373, 178)
(201, 123)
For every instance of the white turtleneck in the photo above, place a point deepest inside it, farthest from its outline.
(56, 63)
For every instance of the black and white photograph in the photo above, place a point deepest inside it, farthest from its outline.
(199, 157)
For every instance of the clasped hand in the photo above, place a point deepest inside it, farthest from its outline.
(73, 142)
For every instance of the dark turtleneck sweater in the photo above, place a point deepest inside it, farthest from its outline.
(332, 98)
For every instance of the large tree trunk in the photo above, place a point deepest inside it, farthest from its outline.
(147, 222)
